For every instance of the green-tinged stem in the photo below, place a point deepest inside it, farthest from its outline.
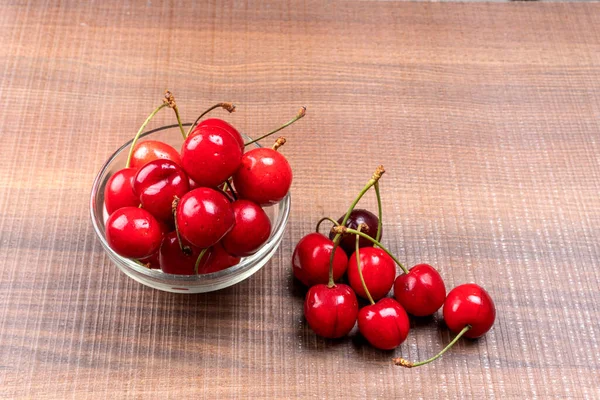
(376, 243)
(139, 133)
(300, 114)
(184, 249)
(409, 364)
(179, 122)
(333, 221)
(228, 184)
(379, 211)
(360, 274)
(227, 106)
(197, 266)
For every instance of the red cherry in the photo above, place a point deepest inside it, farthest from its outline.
(378, 270)
(204, 216)
(174, 261)
(119, 191)
(310, 262)
(152, 261)
(264, 176)
(151, 150)
(193, 185)
(421, 292)
(251, 230)
(157, 184)
(331, 312)
(357, 217)
(219, 260)
(133, 232)
(210, 156)
(384, 324)
(469, 305)
(219, 123)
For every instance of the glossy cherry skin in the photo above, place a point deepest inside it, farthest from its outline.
(384, 324)
(174, 261)
(133, 232)
(331, 312)
(469, 304)
(378, 269)
(251, 230)
(210, 156)
(219, 123)
(264, 177)
(310, 261)
(119, 191)
(421, 292)
(357, 217)
(204, 216)
(151, 150)
(152, 261)
(157, 183)
(219, 260)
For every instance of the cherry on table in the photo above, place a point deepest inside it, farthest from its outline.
(251, 230)
(378, 269)
(421, 292)
(310, 261)
(331, 312)
(358, 216)
(119, 191)
(204, 216)
(384, 324)
(133, 232)
(151, 150)
(219, 123)
(157, 183)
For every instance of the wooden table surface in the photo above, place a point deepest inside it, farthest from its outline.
(486, 117)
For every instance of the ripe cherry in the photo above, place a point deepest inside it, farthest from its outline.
(310, 262)
(119, 191)
(219, 123)
(210, 156)
(151, 150)
(378, 270)
(358, 216)
(264, 176)
(384, 324)
(331, 312)
(175, 261)
(152, 261)
(218, 260)
(157, 183)
(251, 230)
(204, 216)
(133, 232)
(421, 292)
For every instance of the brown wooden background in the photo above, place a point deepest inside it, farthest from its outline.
(486, 116)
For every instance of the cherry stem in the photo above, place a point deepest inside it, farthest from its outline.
(139, 133)
(362, 279)
(300, 114)
(379, 211)
(226, 106)
(228, 184)
(336, 240)
(342, 229)
(170, 101)
(409, 364)
(334, 222)
(278, 143)
(197, 265)
(184, 249)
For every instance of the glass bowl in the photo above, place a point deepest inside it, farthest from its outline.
(155, 278)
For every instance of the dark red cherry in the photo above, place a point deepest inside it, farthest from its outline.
(357, 217)
(331, 312)
(133, 232)
(219, 260)
(310, 262)
(151, 150)
(469, 304)
(119, 191)
(264, 177)
(251, 230)
(157, 183)
(152, 261)
(175, 261)
(219, 123)
(421, 292)
(204, 216)
(210, 156)
(378, 270)
(384, 324)
(193, 185)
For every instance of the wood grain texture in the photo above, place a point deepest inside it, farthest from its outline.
(486, 116)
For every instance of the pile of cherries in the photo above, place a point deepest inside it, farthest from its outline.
(353, 248)
(199, 210)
